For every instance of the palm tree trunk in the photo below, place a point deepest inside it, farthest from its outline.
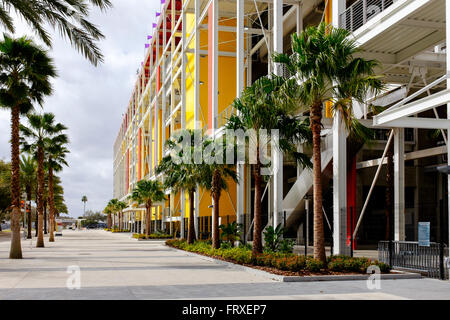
(40, 238)
(29, 212)
(52, 204)
(191, 228)
(45, 217)
(216, 196)
(257, 229)
(316, 125)
(114, 222)
(389, 190)
(120, 222)
(15, 251)
(149, 218)
(36, 220)
(109, 220)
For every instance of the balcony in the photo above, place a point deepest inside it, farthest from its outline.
(362, 11)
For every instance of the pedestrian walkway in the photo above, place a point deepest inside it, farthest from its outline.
(113, 266)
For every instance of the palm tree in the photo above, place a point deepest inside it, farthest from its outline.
(69, 17)
(108, 211)
(181, 176)
(58, 195)
(266, 105)
(41, 128)
(56, 159)
(214, 178)
(28, 169)
(120, 205)
(323, 62)
(114, 204)
(84, 199)
(148, 192)
(25, 72)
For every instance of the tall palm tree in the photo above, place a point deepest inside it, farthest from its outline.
(119, 206)
(25, 72)
(323, 62)
(28, 170)
(56, 159)
(40, 129)
(148, 192)
(215, 177)
(113, 205)
(181, 176)
(267, 105)
(69, 17)
(108, 210)
(84, 199)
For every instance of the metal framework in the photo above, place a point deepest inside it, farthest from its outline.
(202, 54)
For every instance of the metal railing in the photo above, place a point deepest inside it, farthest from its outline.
(222, 118)
(409, 255)
(362, 11)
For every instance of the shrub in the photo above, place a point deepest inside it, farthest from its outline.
(286, 246)
(282, 261)
(314, 265)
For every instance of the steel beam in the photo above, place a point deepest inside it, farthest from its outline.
(399, 184)
(276, 152)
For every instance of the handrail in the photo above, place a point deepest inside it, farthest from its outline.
(419, 92)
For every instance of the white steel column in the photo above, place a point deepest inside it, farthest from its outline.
(399, 184)
(339, 165)
(215, 62)
(239, 87)
(299, 18)
(447, 28)
(337, 7)
(339, 186)
(277, 154)
(196, 98)
(158, 79)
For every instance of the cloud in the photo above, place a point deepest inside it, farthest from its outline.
(91, 101)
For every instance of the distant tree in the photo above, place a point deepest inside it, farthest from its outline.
(84, 199)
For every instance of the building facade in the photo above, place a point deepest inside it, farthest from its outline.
(203, 53)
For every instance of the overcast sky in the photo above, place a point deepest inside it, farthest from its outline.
(91, 101)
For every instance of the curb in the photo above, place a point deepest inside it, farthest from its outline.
(398, 275)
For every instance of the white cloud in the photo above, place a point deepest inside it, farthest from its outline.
(90, 101)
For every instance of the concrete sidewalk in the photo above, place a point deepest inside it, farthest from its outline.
(115, 267)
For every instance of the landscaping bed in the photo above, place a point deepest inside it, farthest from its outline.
(116, 230)
(284, 264)
(152, 236)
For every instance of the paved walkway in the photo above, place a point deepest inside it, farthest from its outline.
(115, 267)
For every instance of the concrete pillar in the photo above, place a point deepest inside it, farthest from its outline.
(447, 28)
(399, 184)
(197, 67)
(213, 64)
(276, 153)
(339, 186)
(339, 164)
(183, 214)
(239, 87)
(299, 18)
(338, 6)
(196, 210)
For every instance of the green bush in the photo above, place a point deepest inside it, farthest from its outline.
(282, 261)
(152, 236)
